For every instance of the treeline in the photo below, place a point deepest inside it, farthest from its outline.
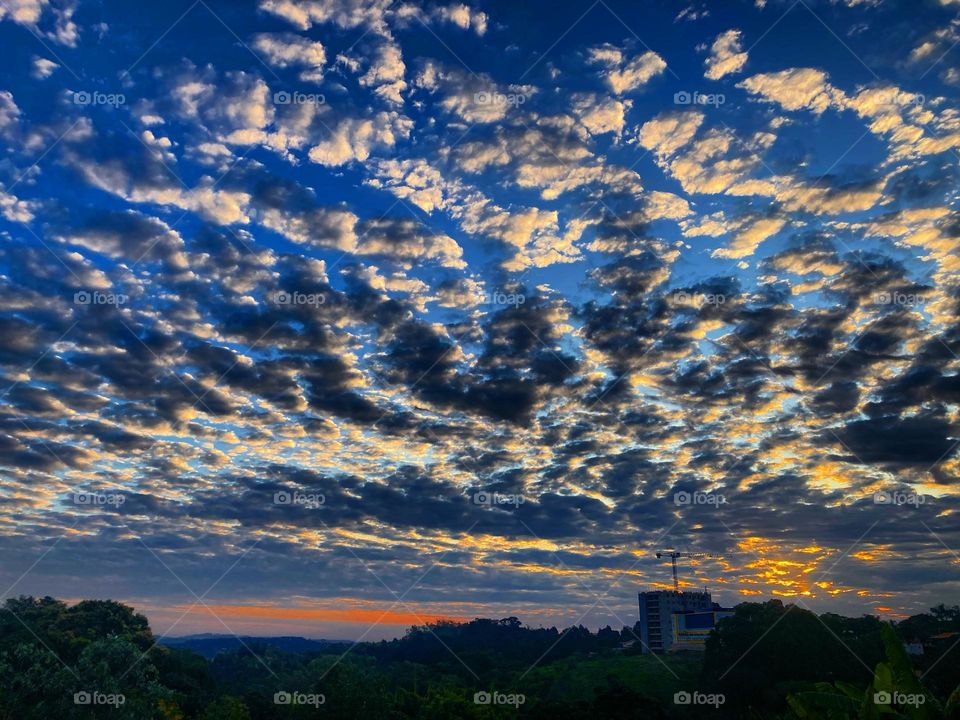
(99, 659)
(771, 659)
(499, 643)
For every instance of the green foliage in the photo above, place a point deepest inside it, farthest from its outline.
(894, 692)
(33, 684)
(771, 662)
(226, 707)
(187, 675)
(952, 709)
(765, 651)
(577, 677)
(68, 630)
(939, 632)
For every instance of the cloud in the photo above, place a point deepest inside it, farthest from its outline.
(238, 101)
(31, 13)
(460, 293)
(934, 46)
(285, 50)
(726, 55)
(43, 68)
(796, 89)
(668, 133)
(347, 14)
(601, 115)
(385, 74)
(323, 227)
(14, 209)
(624, 76)
(748, 240)
(428, 282)
(471, 97)
(408, 241)
(917, 441)
(140, 178)
(533, 234)
(129, 236)
(355, 138)
(463, 17)
(458, 14)
(417, 181)
(554, 159)
(9, 112)
(665, 205)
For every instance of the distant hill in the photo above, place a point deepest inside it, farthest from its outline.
(208, 645)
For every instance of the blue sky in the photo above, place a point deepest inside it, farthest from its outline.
(332, 317)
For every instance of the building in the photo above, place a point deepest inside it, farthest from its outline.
(690, 630)
(672, 620)
(656, 615)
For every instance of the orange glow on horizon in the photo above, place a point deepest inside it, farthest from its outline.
(385, 616)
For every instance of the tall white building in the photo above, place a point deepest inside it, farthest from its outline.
(657, 608)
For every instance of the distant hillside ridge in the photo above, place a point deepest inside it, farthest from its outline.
(209, 645)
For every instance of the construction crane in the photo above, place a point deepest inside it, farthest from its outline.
(673, 555)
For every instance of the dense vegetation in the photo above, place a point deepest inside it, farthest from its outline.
(768, 661)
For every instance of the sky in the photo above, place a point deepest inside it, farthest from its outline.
(332, 317)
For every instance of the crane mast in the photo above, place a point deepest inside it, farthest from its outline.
(673, 555)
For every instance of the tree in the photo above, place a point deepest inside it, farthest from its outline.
(226, 707)
(766, 650)
(33, 684)
(894, 692)
(116, 667)
(68, 630)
